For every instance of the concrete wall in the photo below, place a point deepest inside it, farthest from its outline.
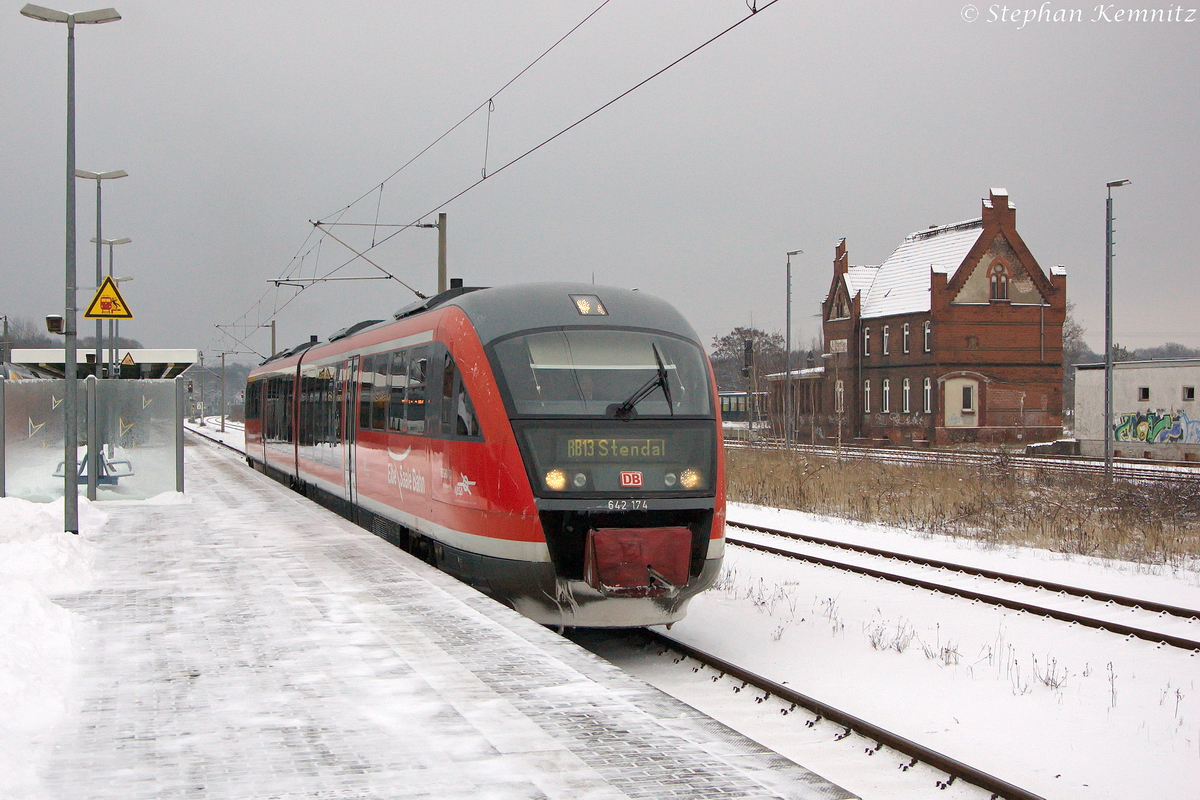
(1166, 425)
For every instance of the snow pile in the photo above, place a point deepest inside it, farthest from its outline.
(37, 561)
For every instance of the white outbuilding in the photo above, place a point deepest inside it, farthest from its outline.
(1155, 413)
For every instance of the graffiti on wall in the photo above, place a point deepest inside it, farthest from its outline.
(1157, 427)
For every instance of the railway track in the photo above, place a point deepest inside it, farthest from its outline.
(1124, 469)
(877, 735)
(1142, 607)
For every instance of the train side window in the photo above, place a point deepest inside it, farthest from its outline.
(379, 393)
(415, 405)
(466, 423)
(399, 382)
(447, 415)
(366, 381)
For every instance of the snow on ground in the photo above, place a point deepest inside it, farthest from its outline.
(37, 561)
(1064, 711)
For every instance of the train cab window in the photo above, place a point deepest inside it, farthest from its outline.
(447, 393)
(415, 402)
(595, 373)
(399, 392)
(366, 382)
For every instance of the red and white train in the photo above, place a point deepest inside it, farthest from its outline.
(556, 446)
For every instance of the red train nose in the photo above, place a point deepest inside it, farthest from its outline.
(637, 562)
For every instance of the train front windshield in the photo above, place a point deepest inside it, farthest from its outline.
(599, 373)
(611, 412)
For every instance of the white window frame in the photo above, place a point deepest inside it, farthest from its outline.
(839, 397)
(887, 335)
(968, 405)
(866, 342)
(928, 396)
(887, 396)
(907, 389)
(867, 396)
(928, 336)
(906, 330)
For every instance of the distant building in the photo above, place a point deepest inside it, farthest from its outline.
(956, 337)
(1154, 409)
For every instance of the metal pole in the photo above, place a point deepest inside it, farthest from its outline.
(1108, 344)
(114, 327)
(93, 439)
(202, 407)
(441, 226)
(3, 435)
(99, 278)
(179, 407)
(272, 337)
(222, 392)
(787, 395)
(71, 396)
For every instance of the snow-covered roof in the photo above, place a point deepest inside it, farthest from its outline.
(806, 372)
(859, 279)
(901, 284)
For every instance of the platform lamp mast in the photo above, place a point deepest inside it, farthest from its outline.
(71, 390)
(100, 178)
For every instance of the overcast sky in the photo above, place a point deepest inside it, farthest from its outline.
(240, 122)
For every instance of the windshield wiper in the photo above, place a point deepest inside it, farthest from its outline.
(626, 410)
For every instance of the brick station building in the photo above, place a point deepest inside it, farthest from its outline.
(956, 337)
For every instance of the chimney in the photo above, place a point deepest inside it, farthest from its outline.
(840, 260)
(996, 208)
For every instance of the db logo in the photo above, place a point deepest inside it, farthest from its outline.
(631, 479)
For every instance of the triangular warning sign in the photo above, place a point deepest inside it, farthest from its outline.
(127, 361)
(108, 303)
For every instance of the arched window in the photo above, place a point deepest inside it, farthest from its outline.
(887, 395)
(928, 396)
(866, 397)
(906, 328)
(839, 397)
(866, 341)
(999, 277)
(928, 336)
(887, 335)
(907, 403)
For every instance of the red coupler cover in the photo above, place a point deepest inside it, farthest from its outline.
(623, 561)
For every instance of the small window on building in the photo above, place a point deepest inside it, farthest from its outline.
(839, 397)
(1144, 393)
(866, 341)
(906, 328)
(887, 395)
(928, 396)
(1189, 393)
(887, 335)
(866, 397)
(928, 336)
(905, 396)
(999, 275)
(968, 400)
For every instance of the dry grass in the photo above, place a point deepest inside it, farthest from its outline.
(993, 503)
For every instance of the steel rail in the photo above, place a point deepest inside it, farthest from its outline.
(968, 594)
(941, 761)
(1024, 580)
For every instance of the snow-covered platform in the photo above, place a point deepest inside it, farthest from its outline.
(247, 643)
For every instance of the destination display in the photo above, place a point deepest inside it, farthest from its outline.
(577, 448)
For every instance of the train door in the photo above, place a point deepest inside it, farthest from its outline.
(349, 381)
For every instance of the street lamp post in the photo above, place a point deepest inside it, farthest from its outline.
(114, 325)
(787, 397)
(71, 411)
(99, 178)
(1108, 344)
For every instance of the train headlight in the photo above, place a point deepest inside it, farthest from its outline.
(580, 480)
(670, 479)
(690, 478)
(556, 479)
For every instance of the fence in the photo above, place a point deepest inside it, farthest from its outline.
(136, 427)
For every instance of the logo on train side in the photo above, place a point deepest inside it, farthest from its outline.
(401, 477)
(463, 486)
(631, 480)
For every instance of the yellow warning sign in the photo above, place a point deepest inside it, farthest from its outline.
(108, 303)
(127, 361)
